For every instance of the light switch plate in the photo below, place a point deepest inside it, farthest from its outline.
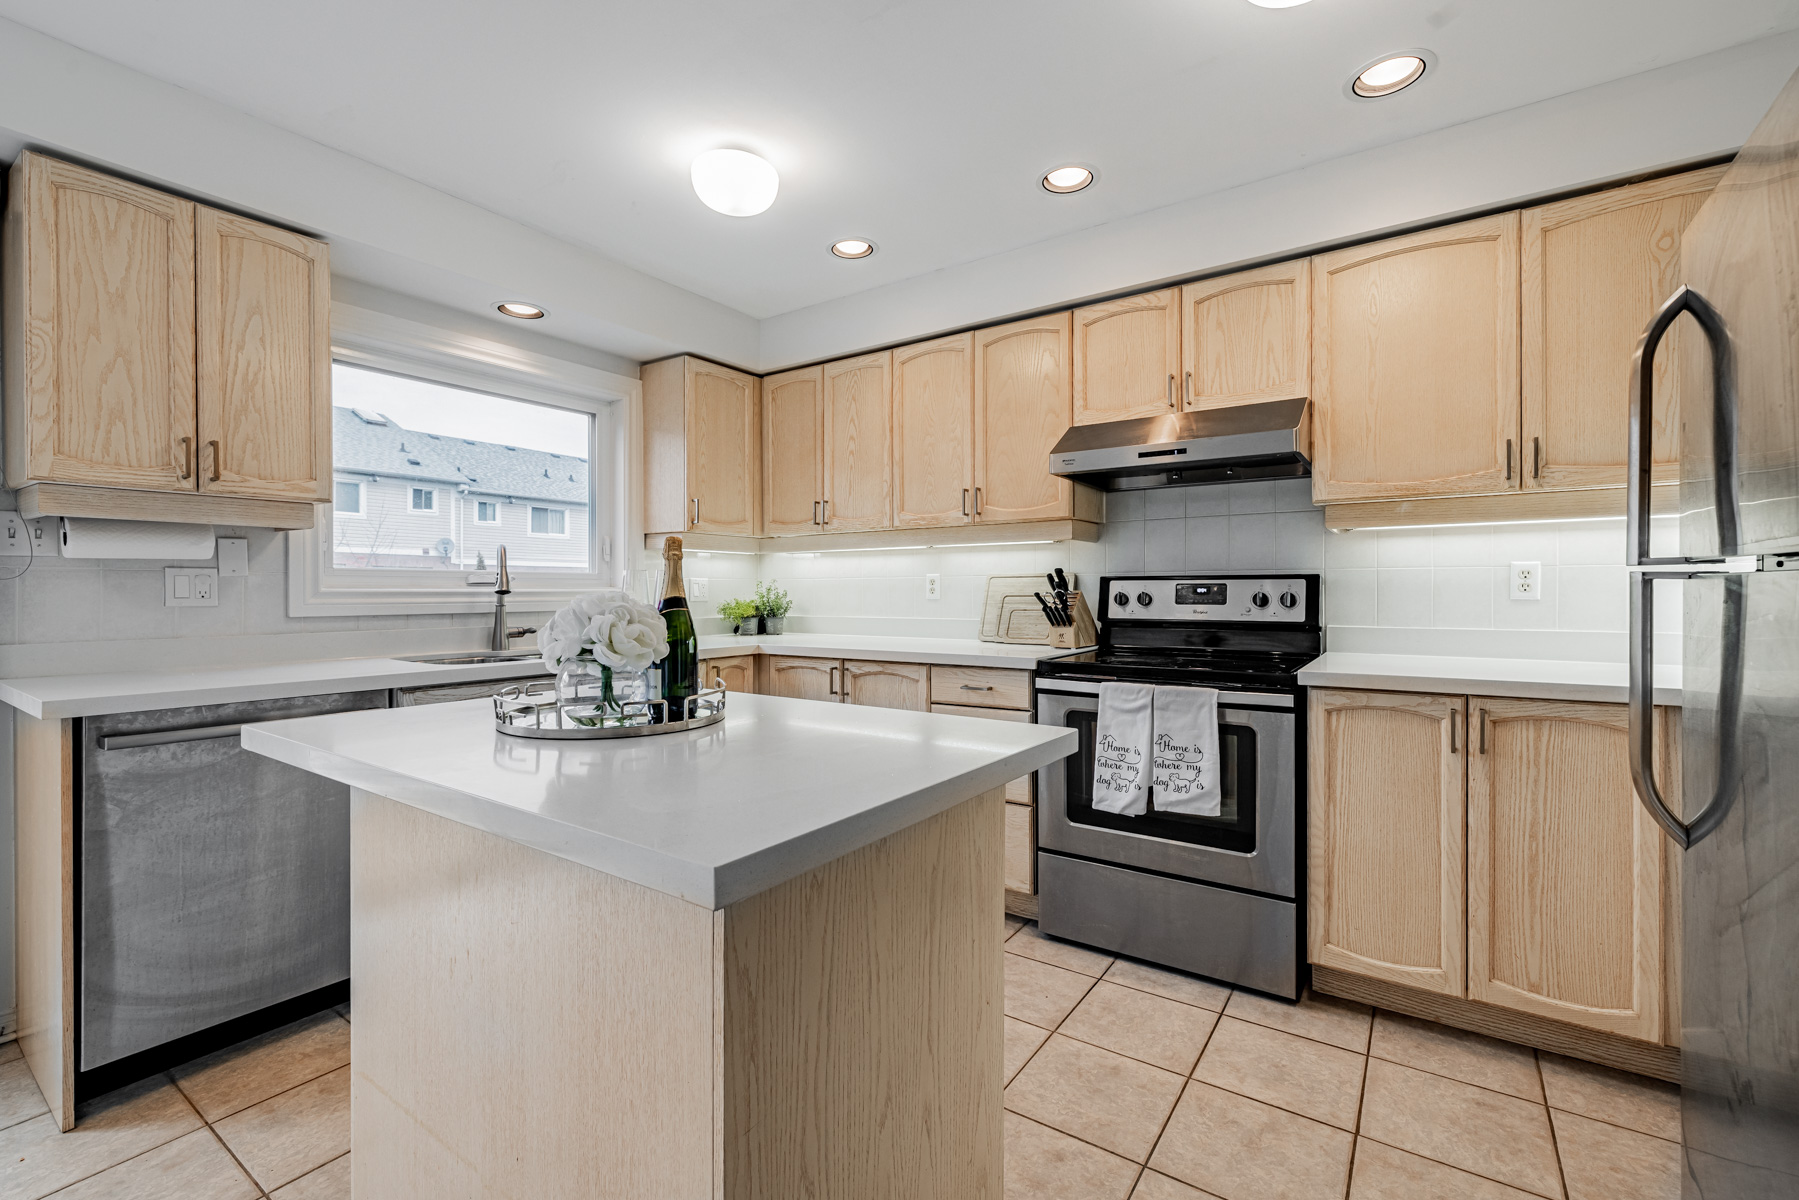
(45, 534)
(1527, 581)
(14, 539)
(190, 587)
(234, 556)
(701, 590)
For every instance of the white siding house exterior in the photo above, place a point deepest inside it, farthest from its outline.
(422, 500)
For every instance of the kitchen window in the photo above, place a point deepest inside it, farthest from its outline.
(440, 443)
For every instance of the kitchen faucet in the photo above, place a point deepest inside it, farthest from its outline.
(502, 636)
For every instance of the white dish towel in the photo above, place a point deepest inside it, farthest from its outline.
(1185, 770)
(1121, 748)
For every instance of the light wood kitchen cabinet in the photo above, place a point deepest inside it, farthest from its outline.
(803, 678)
(1565, 868)
(1385, 848)
(1021, 849)
(982, 687)
(1595, 269)
(702, 445)
(1415, 371)
(1247, 337)
(933, 433)
(887, 685)
(263, 305)
(793, 452)
(1127, 357)
(1021, 409)
(858, 466)
(735, 674)
(1019, 790)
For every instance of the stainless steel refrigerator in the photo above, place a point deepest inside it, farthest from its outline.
(1734, 328)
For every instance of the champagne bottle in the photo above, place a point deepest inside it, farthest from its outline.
(681, 669)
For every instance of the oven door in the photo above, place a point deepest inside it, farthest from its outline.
(1251, 844)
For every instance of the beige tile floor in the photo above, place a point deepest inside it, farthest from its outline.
(1122, 1081)
(1127, 1081)
(268, 1118)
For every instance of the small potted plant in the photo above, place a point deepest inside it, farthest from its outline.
(742, 616)
(773, 604)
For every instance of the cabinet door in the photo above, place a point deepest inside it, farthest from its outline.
(933, 433)
(804, 678)
(1385, 849)
(793, 448)
(858, 461)
(734, 674)
(1021, 409)
(99, 353)
(722, 448)
(1127, 356)
(1248, 336)
(1415, 364)
(1564, 868)
(263, 298)
(888, 685)
(1595, 269)
(1019, 790)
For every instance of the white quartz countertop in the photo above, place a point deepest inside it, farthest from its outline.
(714, 815)
(1528, 678)
(950, 652)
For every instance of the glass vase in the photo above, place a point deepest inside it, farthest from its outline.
(592, 694)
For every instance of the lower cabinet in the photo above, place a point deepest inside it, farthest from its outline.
(887, 685)
(1491, 850)
(735, 674)
(802, 678)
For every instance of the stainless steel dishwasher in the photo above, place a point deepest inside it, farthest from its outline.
(213, 883)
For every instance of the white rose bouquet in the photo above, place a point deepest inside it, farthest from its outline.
(608, 627)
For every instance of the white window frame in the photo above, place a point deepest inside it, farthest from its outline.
(363, 338)
(493, 504)
(355, 483)
(413, 492)
(549, 508)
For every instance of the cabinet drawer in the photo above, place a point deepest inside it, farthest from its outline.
(1019, 790)
(1021, 848)
(982, 687)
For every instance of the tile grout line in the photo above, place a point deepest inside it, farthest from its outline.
(1178, 1097)
(1613, 1124)
(1361, 1102)
(261, 1192)
(1452, 1166)
(1555, 1139)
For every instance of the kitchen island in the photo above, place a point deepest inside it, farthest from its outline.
(760, 959)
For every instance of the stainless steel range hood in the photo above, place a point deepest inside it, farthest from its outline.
(1219, 445)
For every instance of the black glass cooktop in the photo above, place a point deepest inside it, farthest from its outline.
(1209, 667)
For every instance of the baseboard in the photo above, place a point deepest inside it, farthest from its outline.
(1527, 1029)
(1021, 904)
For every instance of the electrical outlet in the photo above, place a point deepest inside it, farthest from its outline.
(933, 587)
(190, 587)
(234, 556)
(14, 541)
(701, 589)
(1527, 581)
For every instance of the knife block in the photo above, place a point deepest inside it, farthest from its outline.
(1084, 632)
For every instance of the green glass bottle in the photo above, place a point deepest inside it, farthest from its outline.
(681, 669)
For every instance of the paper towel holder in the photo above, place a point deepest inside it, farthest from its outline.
(94, 537)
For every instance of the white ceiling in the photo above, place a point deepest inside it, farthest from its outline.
(922, 126)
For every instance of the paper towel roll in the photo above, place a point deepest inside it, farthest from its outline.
(86, 537)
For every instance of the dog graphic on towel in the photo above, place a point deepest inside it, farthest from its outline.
(1179, 770)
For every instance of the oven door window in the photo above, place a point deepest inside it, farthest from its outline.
(1234, 828)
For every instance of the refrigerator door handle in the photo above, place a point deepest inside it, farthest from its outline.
(1725, 501)
(1642, 703)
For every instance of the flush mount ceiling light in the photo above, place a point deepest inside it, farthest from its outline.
(1278, 3)
(521, 310)
(1388, 75)
(735, 182)
(1067, 179)
(853, 248)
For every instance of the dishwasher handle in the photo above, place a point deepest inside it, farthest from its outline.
(164, 737)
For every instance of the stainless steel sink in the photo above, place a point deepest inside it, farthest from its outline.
(465, 658)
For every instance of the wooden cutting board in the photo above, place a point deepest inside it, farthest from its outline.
(1011, 613)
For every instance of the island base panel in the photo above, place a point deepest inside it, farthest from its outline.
(529, 1026)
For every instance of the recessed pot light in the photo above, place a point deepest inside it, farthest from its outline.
(521, 310)
(1387, 76)
(1278, 3)
(1067, 179)
(735, 182)
(853, 248)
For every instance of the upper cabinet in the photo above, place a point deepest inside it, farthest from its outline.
(1127, 357)
(1022, 407)
(933, 433)
(701, 440)
(1247, 337)
(858, 471)
(1415, 364)
(1595, 269)
(793, 452)
(156, 345)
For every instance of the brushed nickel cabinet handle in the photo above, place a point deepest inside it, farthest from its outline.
(1189, 384)
(827, 508)
(218, 463)
(965, 502)
(977, 687)
(833, 681)
(815, 519)
(1483, 731)
(977, 502)
(187, 457)
(1508, 458)
(1171, 390)
(1536, 458)
(1452, 716)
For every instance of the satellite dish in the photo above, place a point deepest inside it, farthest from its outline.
(445, 546)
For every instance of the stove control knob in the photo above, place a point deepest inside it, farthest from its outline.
(1122, 599)
(1260, 599)
(1288, 600)
(1144, 598)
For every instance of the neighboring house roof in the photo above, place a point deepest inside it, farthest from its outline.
(368, 443)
